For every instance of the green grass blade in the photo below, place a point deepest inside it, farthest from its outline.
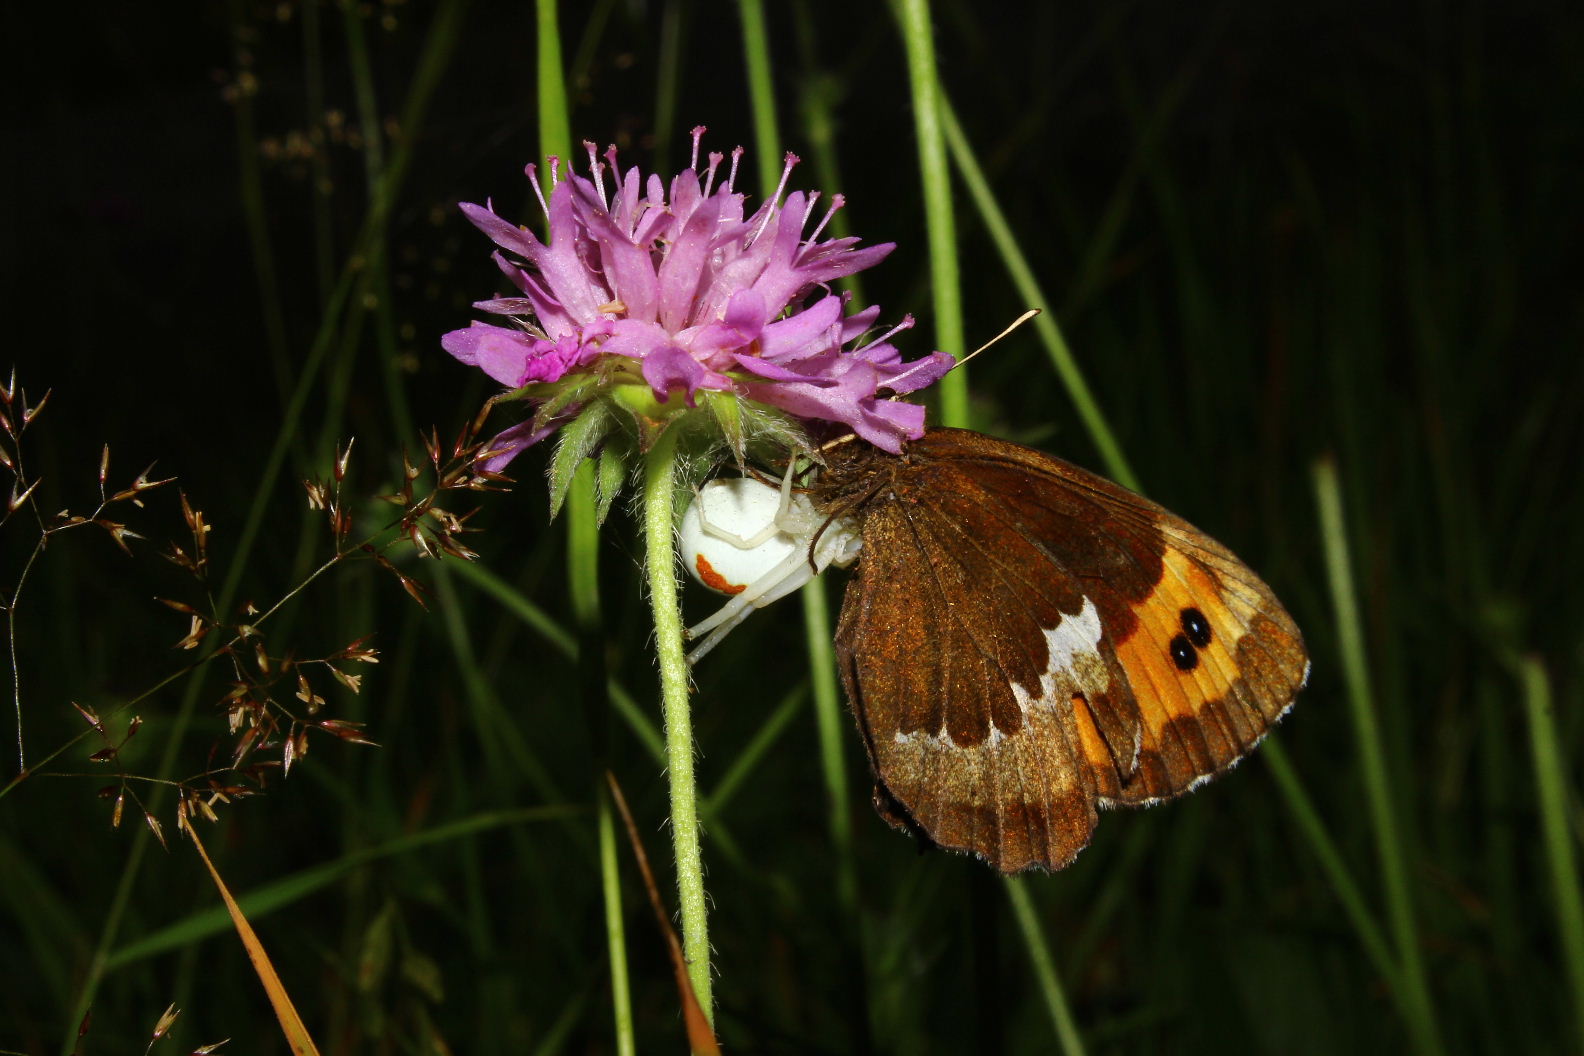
(543, 624)
(746, 761)
(1551, 786)
(288, 890)
(1045, 324)
(555, 130)
(1050, 987)
(761, 95)
(1372, 754)
(945, 287)
(582, 528)
(1325, 849)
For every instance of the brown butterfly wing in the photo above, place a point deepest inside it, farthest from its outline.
(1007, 645)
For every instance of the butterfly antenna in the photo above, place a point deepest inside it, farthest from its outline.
(1019, 321)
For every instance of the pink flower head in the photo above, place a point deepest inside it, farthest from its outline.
(683, 293)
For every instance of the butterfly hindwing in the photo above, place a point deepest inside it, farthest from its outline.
(962, 749)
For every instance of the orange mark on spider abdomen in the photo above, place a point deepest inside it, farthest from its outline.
(714, 580)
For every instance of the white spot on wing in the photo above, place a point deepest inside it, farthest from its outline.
(1073, 648)
(1075, 636)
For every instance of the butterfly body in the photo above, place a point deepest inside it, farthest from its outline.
(1024, 643)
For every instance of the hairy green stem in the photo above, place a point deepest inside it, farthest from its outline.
(660, 565)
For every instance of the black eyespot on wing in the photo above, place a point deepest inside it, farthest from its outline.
(1196, 627)
(1183, 653)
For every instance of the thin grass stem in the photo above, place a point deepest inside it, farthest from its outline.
(1045, 324)
(761, 94)
(555, 130)
(615, 927)
(746, 762)
(582, 527)
(1325, 849)
(828, 718)
(945, 288)
(1417, 1002)
(566, 644)
(1033, 933)
(1551, 786)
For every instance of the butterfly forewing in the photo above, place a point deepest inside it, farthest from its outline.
(1024, 642)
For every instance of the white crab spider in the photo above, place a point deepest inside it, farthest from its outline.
(745, 538)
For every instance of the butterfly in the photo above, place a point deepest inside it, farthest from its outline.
(1024, 643)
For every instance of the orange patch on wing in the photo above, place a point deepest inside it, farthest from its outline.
(1164, 691)
(1094, 748)
(714, 580)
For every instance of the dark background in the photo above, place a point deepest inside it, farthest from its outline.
(1271, 234)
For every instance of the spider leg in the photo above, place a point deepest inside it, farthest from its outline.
(790, 574)
(715, 531)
